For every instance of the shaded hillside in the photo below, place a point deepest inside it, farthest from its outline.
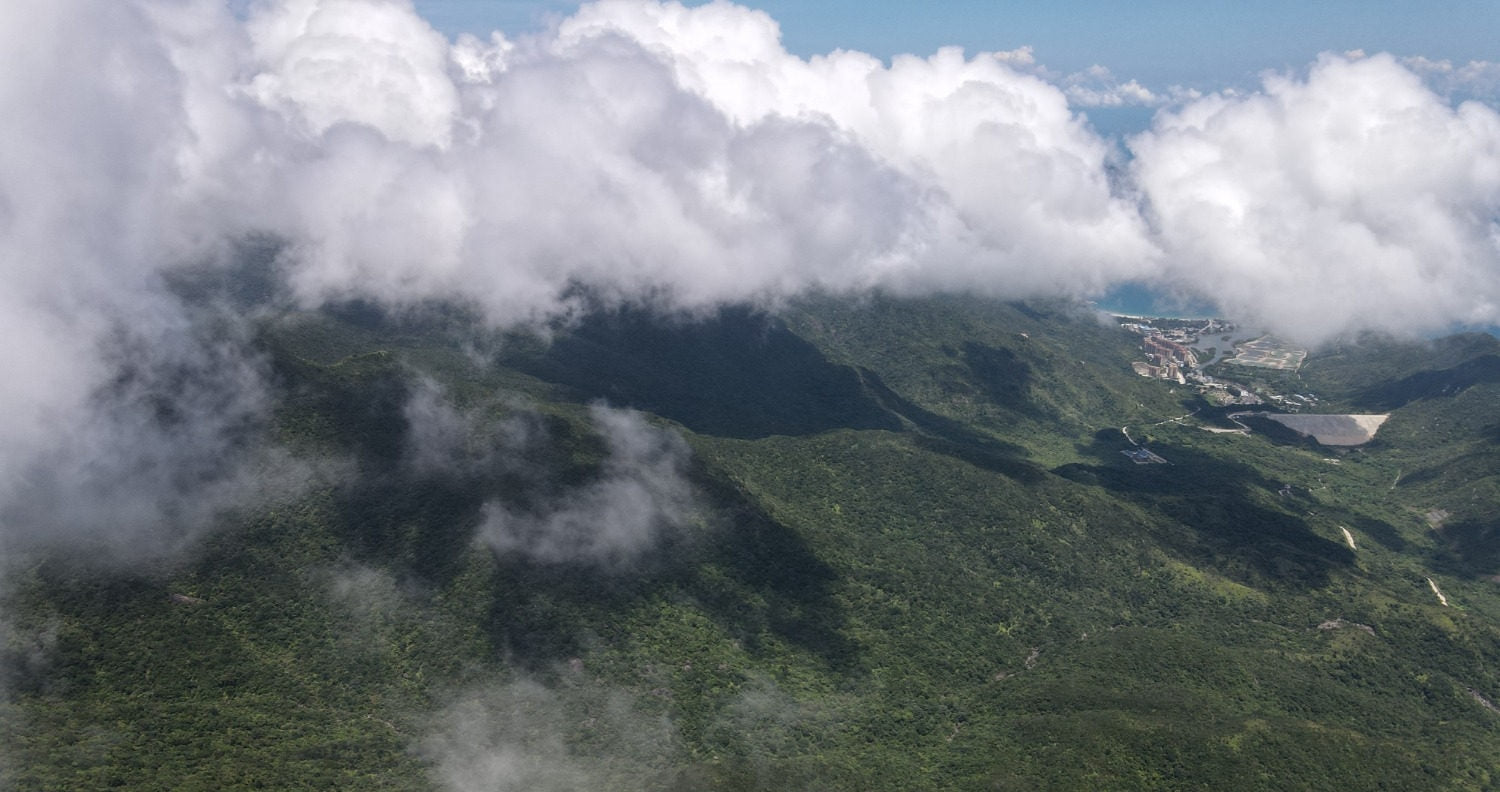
(1433, 383)
(1042, 375)
(1378, 373)
(738, 373)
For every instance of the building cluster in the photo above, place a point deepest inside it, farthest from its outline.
(1224, 392)
(1166, 359)
(1169, 356)
(1295, 401)
(1143, 456)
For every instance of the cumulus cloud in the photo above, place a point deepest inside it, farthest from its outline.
(641, 496)
(82, 175)
(326, 62)
(1097, 86)
(1351, 198)
(1476, 79)
(1017, 197)
(127, 413)
(663, 152)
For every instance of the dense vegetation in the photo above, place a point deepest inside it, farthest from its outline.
(914, 559)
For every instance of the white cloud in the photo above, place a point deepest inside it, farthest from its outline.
(1475, 79)
(372, 62)
(1097, 86)
(656, 150)
(1018, 58)
(525, 736)
(440, 438)
(122, 412)
(1354, 198)
(641, 496)
(647, 150)
(1022, 201)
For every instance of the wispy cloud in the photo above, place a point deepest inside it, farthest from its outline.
(641, 496)
(527, 736)
(1096, 86)
(1476, 79)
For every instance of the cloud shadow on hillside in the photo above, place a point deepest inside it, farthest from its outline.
(737, 373)
(953, 438)
(1431, 383)
(1001, 375)
(1468, 548)
(1219, 506)
(752, 575)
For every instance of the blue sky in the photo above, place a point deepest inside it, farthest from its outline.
(1206, 44)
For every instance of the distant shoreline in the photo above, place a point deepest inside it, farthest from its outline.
(1194, 318)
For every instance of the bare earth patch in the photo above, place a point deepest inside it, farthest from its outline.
(1438, 592)
(1333, 430)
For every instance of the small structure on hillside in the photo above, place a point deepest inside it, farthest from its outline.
(1142, 456)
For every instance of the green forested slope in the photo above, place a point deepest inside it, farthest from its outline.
(913, 558)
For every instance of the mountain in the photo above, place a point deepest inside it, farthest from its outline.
(879, 544)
